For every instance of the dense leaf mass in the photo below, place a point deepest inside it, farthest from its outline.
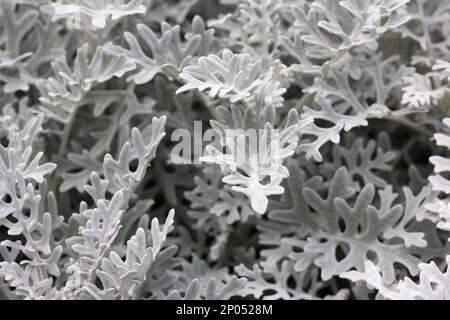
(344, 195)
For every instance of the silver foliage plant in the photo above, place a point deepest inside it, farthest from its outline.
(352, 202)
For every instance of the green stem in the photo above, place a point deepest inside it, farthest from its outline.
(66, 133)
(306, 99)
(410, 125)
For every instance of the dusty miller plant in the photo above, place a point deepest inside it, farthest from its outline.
(351, 202)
